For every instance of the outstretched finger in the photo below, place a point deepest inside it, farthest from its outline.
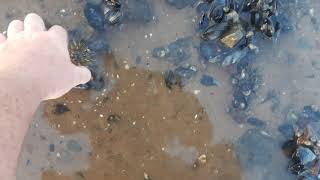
(82, 75)
(14, 28)
(33, 23)
(59, 32)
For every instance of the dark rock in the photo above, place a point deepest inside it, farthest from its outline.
(256, 122)
(255, 148)
(171, 79)
(207, 80)
(186, 72)
(74, 146)
(94, 16)
(51, 147)
(60, 109)
(287, 130)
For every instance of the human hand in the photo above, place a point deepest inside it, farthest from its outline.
(35, 58)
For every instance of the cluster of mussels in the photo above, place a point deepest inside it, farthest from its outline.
(87, 52)
(84, 54)
(304, 153)
(302, 144)
(228, 31)
(233, 25)
(245, 81)
(106, 12)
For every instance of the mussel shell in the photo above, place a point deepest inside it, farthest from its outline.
(217, 14)
(204, 22)
(113, 17)
(203, 7)
(250, 4)
(95, 16)
(268, 28)
(214, 31)
(239, 101)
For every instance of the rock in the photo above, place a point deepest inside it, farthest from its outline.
(94, 16)
(255, 148)
(207, 80)
(60, 109)
(186, 71)
(286, 130)
(305, 155)
(256, 122)
(74, 146)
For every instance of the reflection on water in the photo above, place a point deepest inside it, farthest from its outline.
(289, 67)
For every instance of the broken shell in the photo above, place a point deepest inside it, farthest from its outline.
(232, 37)
(202, 159)
(146, 176)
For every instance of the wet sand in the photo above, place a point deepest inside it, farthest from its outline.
(153, 124)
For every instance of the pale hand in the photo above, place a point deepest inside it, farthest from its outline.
(33, 57)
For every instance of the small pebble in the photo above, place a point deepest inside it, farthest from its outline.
(51, 147)
(207, 80)
(60, 109)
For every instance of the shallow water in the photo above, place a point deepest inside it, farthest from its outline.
(289, 67)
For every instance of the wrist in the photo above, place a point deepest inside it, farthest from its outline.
(20, 91)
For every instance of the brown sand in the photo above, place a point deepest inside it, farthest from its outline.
(151, 117)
